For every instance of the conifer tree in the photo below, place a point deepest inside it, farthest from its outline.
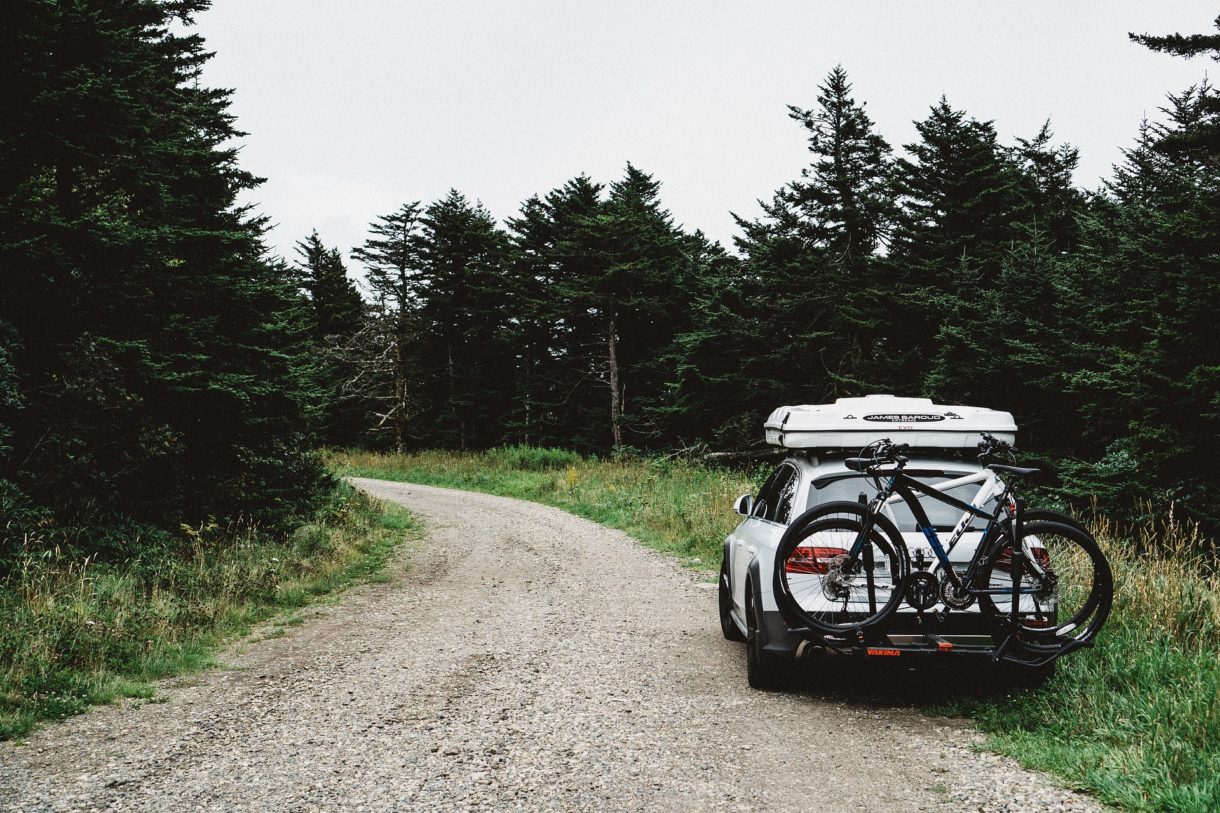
(158, 349)
(555, 253)
(606, 279)
(1203, 139)
(809, 259)
(961, 201)
(336, 314)
(1142, 305)
(336, 303)
(380, 352)
(533, 416)
(1048, 186)
(464, 313)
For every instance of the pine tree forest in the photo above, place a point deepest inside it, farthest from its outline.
(158, 365)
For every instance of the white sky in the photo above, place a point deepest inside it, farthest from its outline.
(355, 107)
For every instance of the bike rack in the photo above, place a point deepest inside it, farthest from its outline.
(1012, 649)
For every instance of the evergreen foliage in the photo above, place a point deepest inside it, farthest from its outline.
(150, 350)
(808, 284)
(962, 269)
(336, 314)
(611, 275)
(462, 377)
(1201, 141)
(157, 366)
(380, 351)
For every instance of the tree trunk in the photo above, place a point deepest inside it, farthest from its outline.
(528, 374)
(616, 389)
(400, 396)
(452, 391)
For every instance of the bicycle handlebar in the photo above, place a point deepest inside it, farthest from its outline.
(990, 446)
(885, 451)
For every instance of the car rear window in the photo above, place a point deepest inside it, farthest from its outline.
(850, 486)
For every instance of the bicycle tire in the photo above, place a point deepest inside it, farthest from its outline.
(811, 585)
(1047, 515)
(1072, 605)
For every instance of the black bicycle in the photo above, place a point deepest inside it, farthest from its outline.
(843, 570)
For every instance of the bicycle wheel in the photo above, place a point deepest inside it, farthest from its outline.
(1046, 515)
(818, 583)
(1065, 588)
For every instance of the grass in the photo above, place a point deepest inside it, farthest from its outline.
(1135, 720)
(77, 632)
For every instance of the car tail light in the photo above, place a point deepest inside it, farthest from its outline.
(1004, 562)
(811, 560)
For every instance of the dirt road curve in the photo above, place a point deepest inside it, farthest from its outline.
(528, 660)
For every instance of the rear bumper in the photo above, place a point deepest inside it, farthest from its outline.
(968, 627)
(959, 635)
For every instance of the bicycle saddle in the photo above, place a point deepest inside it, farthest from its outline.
(858, 463)
(1016, 470)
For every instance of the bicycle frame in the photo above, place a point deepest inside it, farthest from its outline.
(901, 486)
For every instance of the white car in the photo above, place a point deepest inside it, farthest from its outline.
(748, 610)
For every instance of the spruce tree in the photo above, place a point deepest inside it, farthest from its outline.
(334, 299)
(604, 285)
(1202, 140)
(158, 348)
(380, 351)
(464, 311)
(560, 384)
(1048, 186)
(336, 314)
(810, 286)
(961, 203)
(1142, 305)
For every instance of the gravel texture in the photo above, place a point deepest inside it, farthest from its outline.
(528, 660)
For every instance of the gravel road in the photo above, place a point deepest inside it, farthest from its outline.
(526, 659)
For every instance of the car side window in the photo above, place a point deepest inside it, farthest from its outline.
(784, 498)
(774, 501)
(766, 496)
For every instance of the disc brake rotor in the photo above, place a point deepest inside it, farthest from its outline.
(952, 598)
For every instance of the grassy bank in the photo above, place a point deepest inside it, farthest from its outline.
(1135, 720)
(79, 632)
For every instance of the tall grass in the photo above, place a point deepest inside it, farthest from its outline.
(1135, 720)
(75, 631)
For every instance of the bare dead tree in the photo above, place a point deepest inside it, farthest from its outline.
(376, 356)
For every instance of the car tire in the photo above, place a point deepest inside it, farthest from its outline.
(763, 670)
(725, 597)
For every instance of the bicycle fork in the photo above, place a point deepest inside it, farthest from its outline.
(863, 549)
(1018, 562)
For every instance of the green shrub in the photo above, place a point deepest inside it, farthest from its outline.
(75, 630)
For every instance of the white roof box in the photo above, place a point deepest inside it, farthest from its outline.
(851, 423)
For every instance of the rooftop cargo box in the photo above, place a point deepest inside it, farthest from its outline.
(851, 423)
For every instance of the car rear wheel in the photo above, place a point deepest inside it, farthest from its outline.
(727, 625)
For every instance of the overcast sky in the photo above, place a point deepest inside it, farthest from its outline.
(355, 107)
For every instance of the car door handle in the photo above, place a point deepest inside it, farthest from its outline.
(740, 542)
